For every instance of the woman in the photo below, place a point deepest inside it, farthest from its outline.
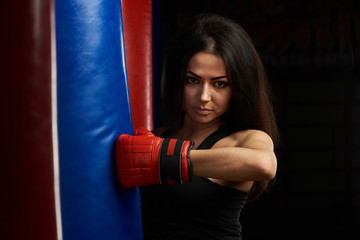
(217, 99)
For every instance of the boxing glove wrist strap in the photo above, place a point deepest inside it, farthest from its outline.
(174, 161)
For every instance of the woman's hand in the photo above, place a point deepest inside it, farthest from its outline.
(144, 159)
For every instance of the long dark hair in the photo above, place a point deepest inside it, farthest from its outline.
(251, 107)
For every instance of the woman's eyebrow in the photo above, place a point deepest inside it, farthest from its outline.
(215, 78)
(194, 74)
(220, 77)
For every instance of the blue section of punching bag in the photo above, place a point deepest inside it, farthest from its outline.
(93, 109)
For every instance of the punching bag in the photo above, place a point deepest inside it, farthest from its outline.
(64, 100)
(137, 18)
(29, 180)
(93, 109)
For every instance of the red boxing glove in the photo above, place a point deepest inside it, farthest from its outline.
(144, 159)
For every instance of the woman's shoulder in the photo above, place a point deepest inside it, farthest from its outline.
(250, 138)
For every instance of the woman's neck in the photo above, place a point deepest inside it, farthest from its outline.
(196, 132)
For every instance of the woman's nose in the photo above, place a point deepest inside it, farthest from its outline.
(205, 93)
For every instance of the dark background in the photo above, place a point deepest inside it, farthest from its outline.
(311, 51)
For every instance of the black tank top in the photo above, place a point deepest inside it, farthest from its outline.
(200, 209)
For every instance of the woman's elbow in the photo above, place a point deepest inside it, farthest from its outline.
(268, 166)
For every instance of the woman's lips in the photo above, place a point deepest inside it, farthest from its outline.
(203, 111)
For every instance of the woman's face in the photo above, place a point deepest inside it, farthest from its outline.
(207, 91)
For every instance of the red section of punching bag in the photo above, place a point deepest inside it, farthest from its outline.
(27, 202)
(137, 19)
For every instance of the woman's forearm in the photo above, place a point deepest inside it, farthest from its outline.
(234, 164)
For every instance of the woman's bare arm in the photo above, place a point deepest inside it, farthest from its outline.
(243, 156)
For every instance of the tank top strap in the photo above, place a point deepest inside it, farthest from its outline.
(221, 133)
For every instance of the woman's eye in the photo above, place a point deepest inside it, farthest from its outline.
(191, 80)
(220, 84)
